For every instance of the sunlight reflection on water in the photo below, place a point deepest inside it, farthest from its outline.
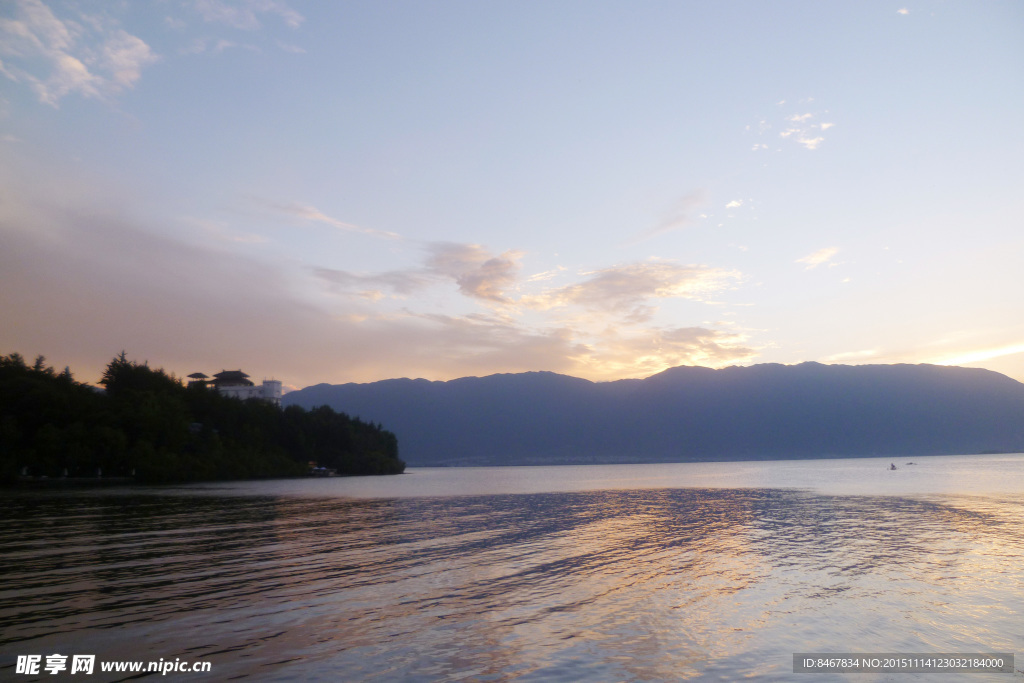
(619, 583)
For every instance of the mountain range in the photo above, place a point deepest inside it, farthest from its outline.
(686, 413)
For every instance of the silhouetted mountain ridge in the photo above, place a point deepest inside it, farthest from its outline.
(685, 413)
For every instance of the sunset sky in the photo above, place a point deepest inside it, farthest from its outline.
(355, 191)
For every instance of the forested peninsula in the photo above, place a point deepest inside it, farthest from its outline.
(148, 425)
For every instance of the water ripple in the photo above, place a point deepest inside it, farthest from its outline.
(659, 584)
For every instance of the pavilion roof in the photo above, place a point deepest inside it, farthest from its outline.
(227, 378)
(231, 374)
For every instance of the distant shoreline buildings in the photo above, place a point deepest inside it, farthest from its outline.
(237, 384)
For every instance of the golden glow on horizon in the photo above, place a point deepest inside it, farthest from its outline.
(983, 355)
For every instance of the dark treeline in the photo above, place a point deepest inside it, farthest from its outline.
(149, 424)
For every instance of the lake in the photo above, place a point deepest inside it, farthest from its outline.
(710, 572)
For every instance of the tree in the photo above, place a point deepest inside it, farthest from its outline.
(150, 424)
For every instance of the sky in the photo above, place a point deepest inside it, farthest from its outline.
(355, 191)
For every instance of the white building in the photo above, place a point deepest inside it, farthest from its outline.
(270, 390)
(236, 384)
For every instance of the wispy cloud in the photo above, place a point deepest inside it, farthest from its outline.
(546, 275)
(88, 264)
(904, 11)
(679, 216)
(245, 14)
(819, 257)
(310, 213)
(88, 55)
(124, 56)
(221, 232)
(215, 46)
(800, 128)
(294, 49)
(402, 282)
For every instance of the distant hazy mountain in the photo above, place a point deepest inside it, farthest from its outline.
(691, 413)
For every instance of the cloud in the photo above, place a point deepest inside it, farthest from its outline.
(56, 57)
(83, 277)
(819, 257)
(82, 283)
(734, 204)
(699, 345)
(82, 280)
(546, 275)
(214, 46)
(222, 232)
(642, 353)
(310, 213)
(799, 129)
(810, 143)
(625, 290)
(904, 11)
(478, 274)
(484, 345)
(124, 55)
(479, 344)
(802, 137)
(678, 216)
(593, 344)
(107, 285)
(403, 282)
(294, 49)
(244, 15)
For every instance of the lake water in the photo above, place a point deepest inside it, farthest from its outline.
(716, 571)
